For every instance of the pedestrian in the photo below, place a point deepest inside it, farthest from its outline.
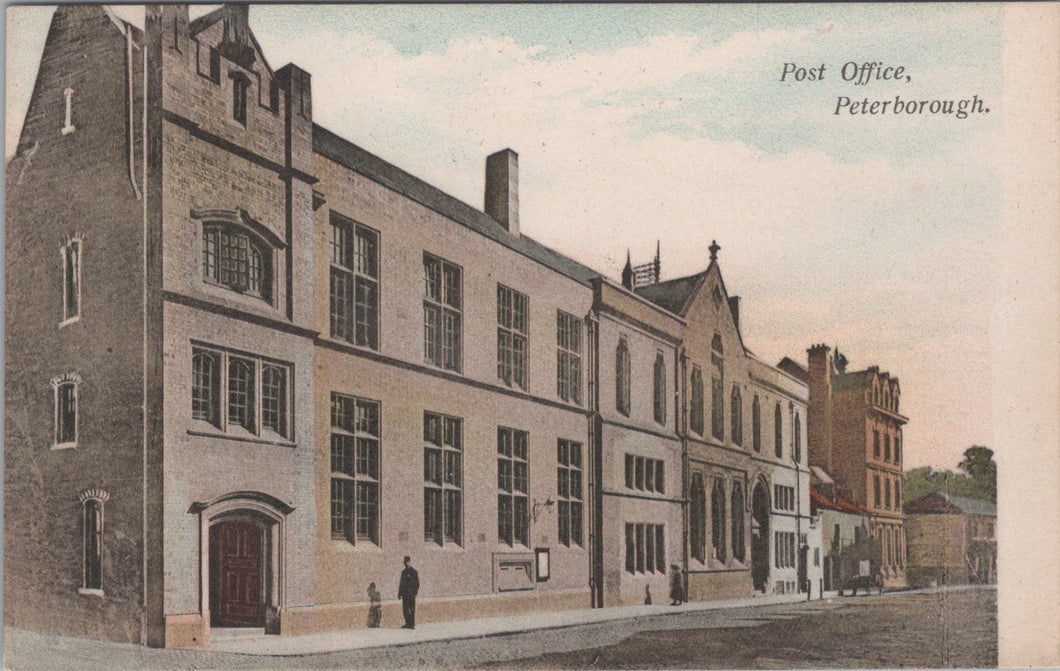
(677, 592)
(647, 595)
(375, 606)
(407, 590)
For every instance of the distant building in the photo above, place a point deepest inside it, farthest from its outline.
(952, 540)
(855, 435)
(849, 548)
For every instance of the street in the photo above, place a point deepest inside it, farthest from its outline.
(947, 629)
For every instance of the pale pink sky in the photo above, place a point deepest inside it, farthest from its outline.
(642, 123)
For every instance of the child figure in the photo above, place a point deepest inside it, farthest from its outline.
(375, 607)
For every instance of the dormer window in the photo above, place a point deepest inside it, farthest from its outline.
(240, 86)
(235, 258)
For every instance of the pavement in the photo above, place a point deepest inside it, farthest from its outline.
(255, 642)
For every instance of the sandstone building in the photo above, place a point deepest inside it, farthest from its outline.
(267, 364)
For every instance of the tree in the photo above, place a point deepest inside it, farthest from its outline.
(979, 464)
(977, 477)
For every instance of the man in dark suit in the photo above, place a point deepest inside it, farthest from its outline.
(407, 590)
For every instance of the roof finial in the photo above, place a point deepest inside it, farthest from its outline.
(627, 273)
(714, 247)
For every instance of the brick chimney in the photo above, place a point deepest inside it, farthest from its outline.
(502, 189)
(819, 407)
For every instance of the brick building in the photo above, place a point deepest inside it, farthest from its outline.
(952, 540)
(855, 436)
(267, 364)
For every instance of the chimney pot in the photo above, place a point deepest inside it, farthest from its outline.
(502, 189)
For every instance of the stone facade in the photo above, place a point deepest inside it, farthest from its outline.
(247, 357)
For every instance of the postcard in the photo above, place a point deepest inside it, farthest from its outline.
(531, 336)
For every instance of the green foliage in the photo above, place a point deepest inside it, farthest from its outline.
(978, 477)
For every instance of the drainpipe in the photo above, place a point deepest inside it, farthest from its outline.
(132, 112)
(596, 568)
(681, 426)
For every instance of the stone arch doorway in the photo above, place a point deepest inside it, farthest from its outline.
(760, 536)
(242, 560)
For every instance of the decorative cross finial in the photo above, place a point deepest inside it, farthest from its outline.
(714, 247)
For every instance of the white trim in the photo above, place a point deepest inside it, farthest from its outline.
(57, 382)
(68, 126)
(90, 592)
(71, 242)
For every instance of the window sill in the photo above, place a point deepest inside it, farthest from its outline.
(242, 439)
(65, 446)
(90, 592)
(66, 130)
(450, 546)
(346, 546)
(69, 320)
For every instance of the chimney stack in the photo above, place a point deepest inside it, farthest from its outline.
(819, 407)
(502, 189)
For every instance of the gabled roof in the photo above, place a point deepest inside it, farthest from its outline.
(940, 503)
(853, 380)
(347, 154)
(672, 295)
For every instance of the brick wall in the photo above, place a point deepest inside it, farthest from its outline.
(61, 185)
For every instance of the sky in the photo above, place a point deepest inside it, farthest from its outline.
(638, 124)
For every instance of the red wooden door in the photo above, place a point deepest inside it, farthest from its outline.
(236, 594)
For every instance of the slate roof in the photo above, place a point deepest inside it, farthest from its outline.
(671, 295)
(345, 153)
(855, 380)
(940, 503)
(794, 369)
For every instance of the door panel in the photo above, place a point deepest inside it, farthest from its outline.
(236, 564)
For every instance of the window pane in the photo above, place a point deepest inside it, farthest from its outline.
(631, 543)
(204, 387)
(522, 520)
(504, 518)
(432, 515)
(274, 399)
(453, 516)
(241, 393)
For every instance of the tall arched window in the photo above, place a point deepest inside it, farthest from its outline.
(233, 257)
(660, 389)
(205, 384)
(778, 432)
(717, 520)
(887, 493)
(876, 490)
(697, 531)
(736, 412)
(798, 439)
(717, 389)
(696, 411)
(737, 521)
(756, 424)
(622, 380)
(92, 539)
(241, 393)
